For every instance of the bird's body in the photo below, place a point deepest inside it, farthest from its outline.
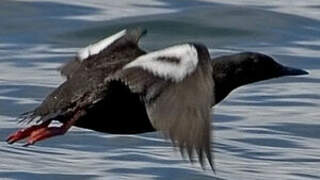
(120, 112)
(115, 87)
(105, 102)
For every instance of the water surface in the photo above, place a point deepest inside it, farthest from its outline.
(262, 131)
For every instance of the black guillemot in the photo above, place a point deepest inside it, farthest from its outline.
(113, 86)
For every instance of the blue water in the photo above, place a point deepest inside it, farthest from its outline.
(261, 131)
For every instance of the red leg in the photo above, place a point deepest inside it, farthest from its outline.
(47, 132)
(24, 133)
(42, 131)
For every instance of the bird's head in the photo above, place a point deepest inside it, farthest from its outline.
(230, 72)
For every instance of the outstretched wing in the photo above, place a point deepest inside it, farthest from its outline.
(86, 74)
(127, 38)
(177, 87)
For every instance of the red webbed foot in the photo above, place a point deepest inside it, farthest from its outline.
(42, 131)
(26, 132)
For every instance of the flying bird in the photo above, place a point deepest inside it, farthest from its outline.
(114, 86)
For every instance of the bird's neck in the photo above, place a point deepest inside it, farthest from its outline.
(223, 86)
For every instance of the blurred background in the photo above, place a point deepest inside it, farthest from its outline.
(261, 131)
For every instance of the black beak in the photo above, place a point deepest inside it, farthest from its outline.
(289, 71)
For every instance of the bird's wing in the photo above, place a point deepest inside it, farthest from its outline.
(105, 47)
(86, 74)
(177, 87)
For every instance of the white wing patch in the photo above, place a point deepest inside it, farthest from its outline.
(96, 48)
(176, 71)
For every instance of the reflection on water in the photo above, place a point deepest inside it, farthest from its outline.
(262, 131)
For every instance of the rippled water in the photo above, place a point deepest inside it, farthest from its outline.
(262, 131)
